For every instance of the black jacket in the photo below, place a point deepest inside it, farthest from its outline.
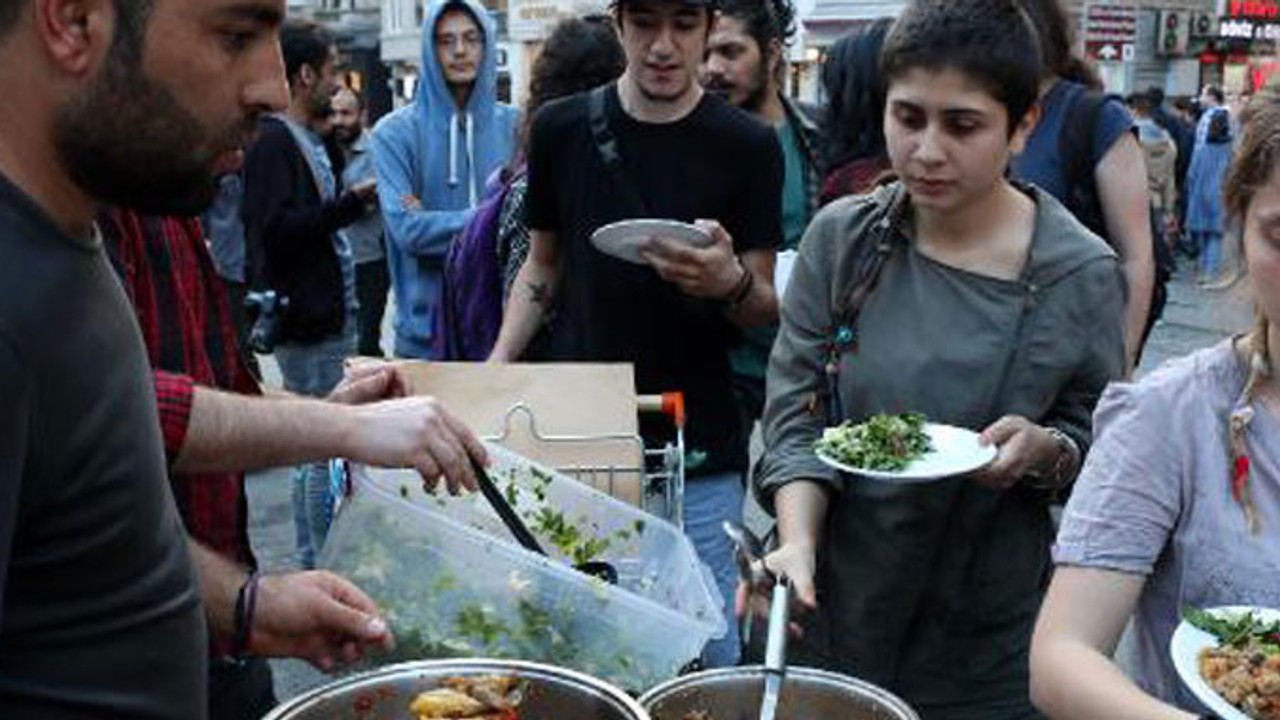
(289, 234)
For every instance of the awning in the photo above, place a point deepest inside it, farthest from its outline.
(831, 19)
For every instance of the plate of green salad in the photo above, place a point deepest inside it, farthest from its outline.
(902, 448)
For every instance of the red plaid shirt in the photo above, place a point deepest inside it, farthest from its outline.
(185, 315)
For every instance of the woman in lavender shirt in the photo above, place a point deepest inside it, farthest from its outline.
(1179, 500)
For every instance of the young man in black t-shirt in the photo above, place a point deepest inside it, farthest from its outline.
(685, 156)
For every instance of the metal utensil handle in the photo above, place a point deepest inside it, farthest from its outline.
(504, 510)
(775, 654)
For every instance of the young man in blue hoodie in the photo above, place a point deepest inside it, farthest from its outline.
(432, 158)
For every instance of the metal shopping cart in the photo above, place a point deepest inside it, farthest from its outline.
(660, 470)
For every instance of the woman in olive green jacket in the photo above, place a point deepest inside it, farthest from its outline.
(978, 302)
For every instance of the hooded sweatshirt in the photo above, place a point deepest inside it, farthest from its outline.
(439, 154)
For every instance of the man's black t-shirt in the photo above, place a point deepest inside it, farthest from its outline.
(99, 607)
(716, 163)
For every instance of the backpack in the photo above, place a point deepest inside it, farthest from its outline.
(472, 299)
(1075, 146)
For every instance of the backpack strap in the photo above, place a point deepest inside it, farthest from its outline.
(1077, 146)
(607, 146)
(873, 252)
(1078, 137)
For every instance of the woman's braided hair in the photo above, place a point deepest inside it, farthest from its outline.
(1256, 159)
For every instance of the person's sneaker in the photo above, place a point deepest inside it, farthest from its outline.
(1221, 283)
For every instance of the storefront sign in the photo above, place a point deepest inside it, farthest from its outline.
(1253, 9)
(1110, 32)
(532, 19)
(1111, 52)
(1249, 30)
(1111, 24)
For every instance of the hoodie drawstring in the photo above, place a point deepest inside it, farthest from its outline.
(471, 157)
(453, 150)
(470, 131)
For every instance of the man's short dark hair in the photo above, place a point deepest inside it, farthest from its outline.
(461, 6)
(1156, 93)
(765, 20)
(617, 6)
(131, 22)
(1215, 92)
(10, 11)
(989, 41)
(304, 42)
(1143, 102)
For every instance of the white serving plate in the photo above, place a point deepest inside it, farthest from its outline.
(956, 451)
(624, 240)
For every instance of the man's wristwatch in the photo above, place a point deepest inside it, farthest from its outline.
(1056, 476)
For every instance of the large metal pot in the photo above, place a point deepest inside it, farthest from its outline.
(554, 693)
(807, 694)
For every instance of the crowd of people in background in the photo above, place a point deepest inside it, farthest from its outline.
(972, 228)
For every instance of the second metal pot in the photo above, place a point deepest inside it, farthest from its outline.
(807, 694)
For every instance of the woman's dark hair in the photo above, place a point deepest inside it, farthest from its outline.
(765, 20)
(854, 88)
(580, 54)
(303, 42)
(1057, 38)
(990, 41)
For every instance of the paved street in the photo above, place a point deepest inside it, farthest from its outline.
(1194, 318)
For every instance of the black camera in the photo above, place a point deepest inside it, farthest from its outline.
(265, 309)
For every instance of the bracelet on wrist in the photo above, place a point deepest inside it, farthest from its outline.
(741, 289)
(246, 603)
(1056, 476)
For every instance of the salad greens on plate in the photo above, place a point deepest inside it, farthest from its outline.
(882, 442)
(1236, 630)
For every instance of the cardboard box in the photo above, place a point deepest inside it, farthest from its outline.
(581, 418)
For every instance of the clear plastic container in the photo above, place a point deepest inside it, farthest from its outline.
(453, 582)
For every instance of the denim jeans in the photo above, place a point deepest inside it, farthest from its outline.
(708, 502)
(314, 369)
(1210, 244)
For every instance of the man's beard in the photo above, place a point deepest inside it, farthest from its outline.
(129, 142)
(346, 136)
(754, 100)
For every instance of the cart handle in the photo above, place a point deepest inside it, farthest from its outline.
(670, 404)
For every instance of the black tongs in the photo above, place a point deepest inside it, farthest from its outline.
(603, 570)
(505, 511)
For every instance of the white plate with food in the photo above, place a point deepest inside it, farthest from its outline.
(903, 448)
(624, 240)
(1214, 650)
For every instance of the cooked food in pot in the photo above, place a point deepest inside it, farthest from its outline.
(470, 698)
